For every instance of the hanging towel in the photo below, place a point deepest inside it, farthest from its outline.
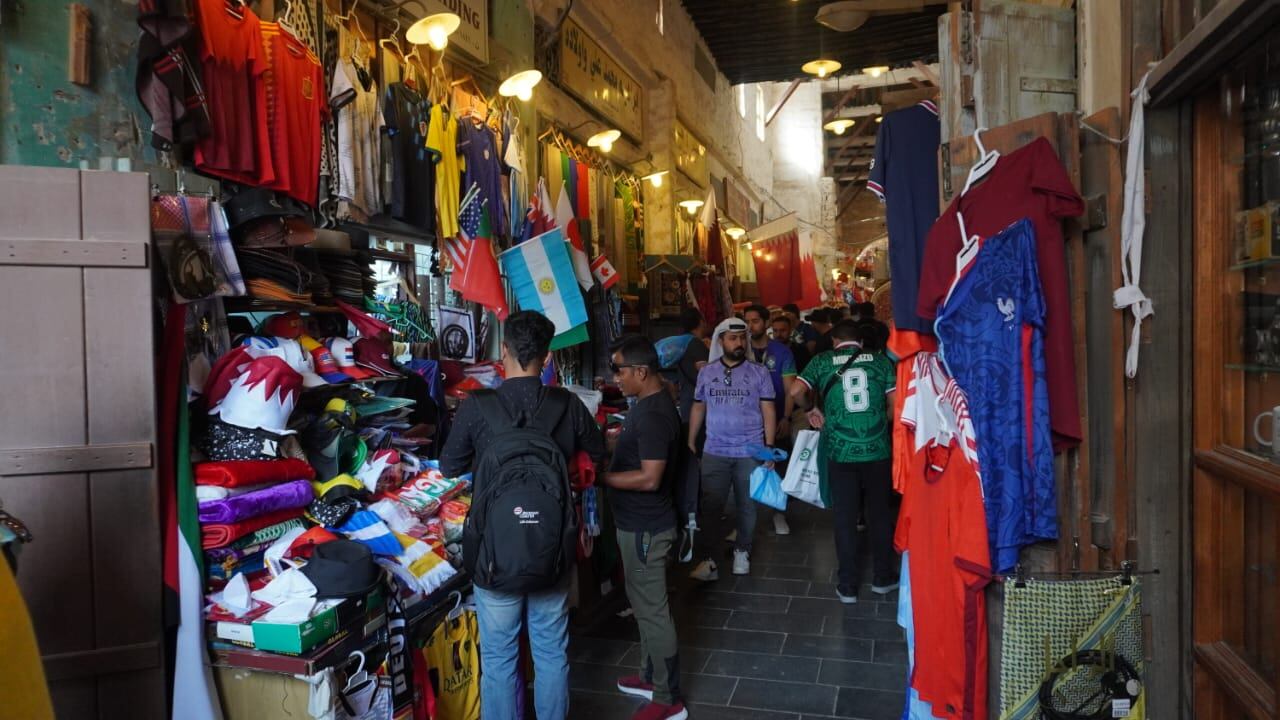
(1134, 222)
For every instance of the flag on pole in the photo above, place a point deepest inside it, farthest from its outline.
(539, 218)
(481, 281)
(566, 221)
(604, 272)
(542, 278)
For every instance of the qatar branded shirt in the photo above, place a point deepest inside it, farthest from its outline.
(904, 174)
(233, 63)
(856, 428)
(453, 662)
(1030, 183)
(991, 338)
(732, 396)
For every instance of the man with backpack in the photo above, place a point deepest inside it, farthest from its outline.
(853, 385)
(641, 482)
(681, 357)
(520, 537)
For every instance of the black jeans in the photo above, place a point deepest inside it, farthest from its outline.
(852, 485)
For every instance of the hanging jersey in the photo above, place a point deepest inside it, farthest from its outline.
(991, 334)
(942, 526)
(903, 346)
(856, 428)
(454, 665)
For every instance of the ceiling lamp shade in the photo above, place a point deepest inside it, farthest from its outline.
(655, 178)
(875, 71)
(604, 140)
(691, 206)
(734, 233)
(520, 85)
(842, 16)
(434, 30)
(839, 125)
(821, 68)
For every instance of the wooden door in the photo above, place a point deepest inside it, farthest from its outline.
(77, 432)
(1236, 503)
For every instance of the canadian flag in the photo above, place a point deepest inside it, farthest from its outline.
(604, 272)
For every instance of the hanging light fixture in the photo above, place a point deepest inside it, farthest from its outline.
(692, 206)
(879, 118)
(734, 233)
(835, 273)
(875, 71)
(839, 125)
(604, 140)
(520, 85)
(434, 30)
(655, 178)
(759, 252)
(821, 68)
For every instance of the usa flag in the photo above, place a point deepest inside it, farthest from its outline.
(459, 248)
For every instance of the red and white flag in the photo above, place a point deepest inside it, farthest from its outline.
(566, 221)
(604, 272)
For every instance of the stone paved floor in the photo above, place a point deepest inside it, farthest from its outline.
(776, 645)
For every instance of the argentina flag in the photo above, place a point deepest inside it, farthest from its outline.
(542, 277)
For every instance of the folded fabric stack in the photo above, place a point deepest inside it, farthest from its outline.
(349, 279)
(250, 504)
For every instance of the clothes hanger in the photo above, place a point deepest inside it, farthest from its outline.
(394, 40)
(235, 8)
(456, 611)
(987, 160)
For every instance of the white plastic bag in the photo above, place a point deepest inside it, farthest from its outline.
(802, 481)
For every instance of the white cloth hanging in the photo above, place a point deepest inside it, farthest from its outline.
(1129, 295)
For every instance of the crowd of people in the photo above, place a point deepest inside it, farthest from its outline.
(702, 418)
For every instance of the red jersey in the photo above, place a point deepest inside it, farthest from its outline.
(903, 345)
(943, 525)
(1029, 182)
(237, 147)
(295, 103)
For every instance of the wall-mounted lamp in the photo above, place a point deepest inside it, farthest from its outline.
(434, 30)
(875, 71)
(604, 140)
(692, 206)
(655, 178)
(520, 85)
(734, 233)
(821, 68)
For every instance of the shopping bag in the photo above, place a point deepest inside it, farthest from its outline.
(803, 480)
(766, 488)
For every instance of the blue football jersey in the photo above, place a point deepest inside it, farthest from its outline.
(991, 336)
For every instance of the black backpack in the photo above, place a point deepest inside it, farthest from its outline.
(522, 529)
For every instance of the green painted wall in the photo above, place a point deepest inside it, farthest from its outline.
(46, 120)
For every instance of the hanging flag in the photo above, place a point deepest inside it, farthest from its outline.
(604, 272)
(810, 289)
(458, 247)
(542, 278)
(481, 281)
(778, 268)
(583, 186)
(569, 224)
(540, 218)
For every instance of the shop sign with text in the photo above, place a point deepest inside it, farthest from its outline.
(596, 79)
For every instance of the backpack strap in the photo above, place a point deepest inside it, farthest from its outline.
(831, 382)
(495, 413)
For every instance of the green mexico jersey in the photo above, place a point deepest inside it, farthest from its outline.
(856, 409)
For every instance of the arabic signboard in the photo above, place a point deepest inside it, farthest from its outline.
(691, 154)
(600, 82)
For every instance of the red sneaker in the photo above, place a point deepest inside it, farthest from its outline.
(635, 685)
(654, 711)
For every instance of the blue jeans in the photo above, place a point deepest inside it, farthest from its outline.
(501, 617)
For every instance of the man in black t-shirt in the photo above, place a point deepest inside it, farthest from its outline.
(641, 486)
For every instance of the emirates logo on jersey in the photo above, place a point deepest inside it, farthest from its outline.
(308, 88)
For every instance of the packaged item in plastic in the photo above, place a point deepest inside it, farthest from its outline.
(454, 516)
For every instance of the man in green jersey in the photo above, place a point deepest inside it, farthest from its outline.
(851, 390)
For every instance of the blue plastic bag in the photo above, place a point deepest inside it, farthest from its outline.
(766, 488)
(671, 349)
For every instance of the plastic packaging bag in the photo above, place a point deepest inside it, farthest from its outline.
(803, 481)
(766, 488)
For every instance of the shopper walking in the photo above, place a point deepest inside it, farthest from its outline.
(776, 357)
(735, 398)
(682, 372)
(641, 483)
(517, 440)
(852, 387)
(783, 327)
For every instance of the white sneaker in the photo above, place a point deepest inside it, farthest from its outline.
(741, 563)
(780, 526)
(731, 537)
(705, 572)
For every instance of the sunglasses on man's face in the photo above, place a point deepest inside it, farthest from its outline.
(616, 368)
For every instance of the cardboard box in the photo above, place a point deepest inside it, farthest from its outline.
(299, 638)
(1262, 231)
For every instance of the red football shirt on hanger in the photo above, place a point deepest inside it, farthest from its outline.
(295, 101)
(1029, 182)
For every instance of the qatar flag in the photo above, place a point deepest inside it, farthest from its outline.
(780, 271)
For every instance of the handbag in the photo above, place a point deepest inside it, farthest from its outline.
(766, 488)
(803, 480)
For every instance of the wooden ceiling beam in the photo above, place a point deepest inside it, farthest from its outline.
(777, 108)
(928, 72)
